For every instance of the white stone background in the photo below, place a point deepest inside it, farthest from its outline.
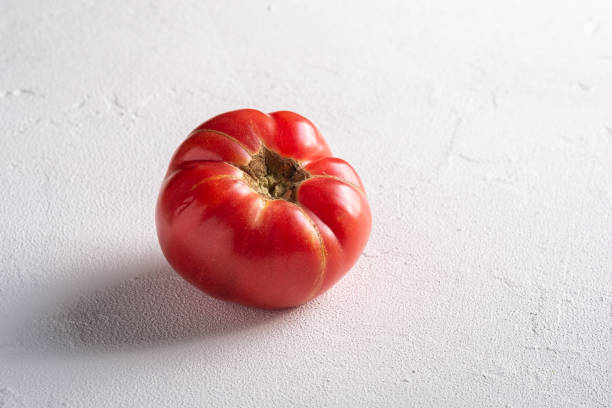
(482, 131)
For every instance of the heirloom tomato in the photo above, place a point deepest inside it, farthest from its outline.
(255, 210)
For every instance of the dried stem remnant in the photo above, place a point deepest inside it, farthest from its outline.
(274, 176)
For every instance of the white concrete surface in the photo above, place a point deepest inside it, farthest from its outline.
(483, 133)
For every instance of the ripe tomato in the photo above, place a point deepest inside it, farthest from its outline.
(255, 210)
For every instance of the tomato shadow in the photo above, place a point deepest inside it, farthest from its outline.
(152, 308)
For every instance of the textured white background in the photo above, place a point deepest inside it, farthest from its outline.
(482, 131)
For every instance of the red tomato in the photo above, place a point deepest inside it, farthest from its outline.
(255, 210)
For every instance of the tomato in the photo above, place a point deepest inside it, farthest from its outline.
(255, 210)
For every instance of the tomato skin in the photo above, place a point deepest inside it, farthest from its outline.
(238, 244)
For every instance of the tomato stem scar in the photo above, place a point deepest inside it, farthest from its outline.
(274, 176)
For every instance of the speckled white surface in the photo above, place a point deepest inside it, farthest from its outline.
(483, 133)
